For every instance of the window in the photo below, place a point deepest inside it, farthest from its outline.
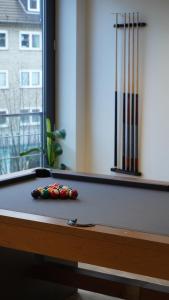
(34, 5)
(24, 40)
(30, 40)
(26, 118)
(35, 119)
(3, 79)
(3, 40)
(3, 118)
(35, 79)
(30, 78)
(25, 79)
(35, 41)
(28, 99)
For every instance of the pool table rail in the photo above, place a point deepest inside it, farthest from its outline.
(85, 177)
(130, 251)
(112, 180)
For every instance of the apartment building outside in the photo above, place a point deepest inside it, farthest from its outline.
(20, 83)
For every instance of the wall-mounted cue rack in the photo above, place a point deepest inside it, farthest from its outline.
(126, 124)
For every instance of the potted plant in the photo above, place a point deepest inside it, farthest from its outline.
(53, 149)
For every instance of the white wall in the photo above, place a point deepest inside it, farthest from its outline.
(86, 84)
(70, 85)
(154, 93)
(66, 77)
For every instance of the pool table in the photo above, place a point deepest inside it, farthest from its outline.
(116, 222)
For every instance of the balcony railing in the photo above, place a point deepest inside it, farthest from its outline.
(18, 133)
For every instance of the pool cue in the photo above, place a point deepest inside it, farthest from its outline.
(136, 101)
(128, 101)
(116, 110)
(124, 96)
(132, 99)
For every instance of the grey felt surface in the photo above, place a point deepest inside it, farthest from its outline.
(121, 207)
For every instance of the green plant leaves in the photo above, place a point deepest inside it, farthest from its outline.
(49, 142)
(57, 149)
(30, 151)
(57, 134)
(52, 149)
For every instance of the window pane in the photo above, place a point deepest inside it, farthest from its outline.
(33, 4)
(24, 119)
(36, 118)
(18, 130)
(35, 41)
(25, 80)
(3, 119)
(2, 79)
(25, 40)
(2, 40)
(35, 78)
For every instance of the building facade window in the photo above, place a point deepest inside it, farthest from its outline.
(30, 41)
(3, 40)
(26, 118)
(3, 118)
(34, 6)
(30, 78)
(4, 79)
(35, 119)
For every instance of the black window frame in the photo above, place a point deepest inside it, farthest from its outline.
(48, 63)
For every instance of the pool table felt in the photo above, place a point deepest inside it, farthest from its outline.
(116, 206)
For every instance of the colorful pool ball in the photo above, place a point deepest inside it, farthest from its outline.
(45, 194)
(54, 193)
(64, 194)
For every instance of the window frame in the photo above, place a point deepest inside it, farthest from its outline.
(6, 40)
(30, 48)
(34, 10)
(30, 86)
(6, 87)
(49, 62)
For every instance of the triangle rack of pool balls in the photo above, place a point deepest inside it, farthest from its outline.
(54, 191)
